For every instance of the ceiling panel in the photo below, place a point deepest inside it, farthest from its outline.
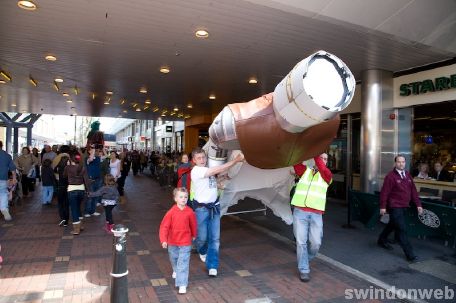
(119, 46)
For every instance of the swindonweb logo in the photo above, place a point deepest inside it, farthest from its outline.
(372, 293)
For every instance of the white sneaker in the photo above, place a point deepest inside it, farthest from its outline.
(203, 258)
(98, 204)
(96, 214)
(174, 275)
(80, 218)
(182, 289)
(213, 272)
(6, 214)
(87, 215)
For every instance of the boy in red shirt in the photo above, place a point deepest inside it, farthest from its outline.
(177, 230)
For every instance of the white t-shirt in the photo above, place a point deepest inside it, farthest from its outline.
(114, 168)
(204, 189)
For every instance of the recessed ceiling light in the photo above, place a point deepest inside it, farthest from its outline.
(65, 94)
(27, 5)
(24, 111)
(50, 58)
(106, 102)
(187, 116)
(143, 90)
(189, 106)
(201, 33)
(76, 90)
(13, 105)
(135, 104)
(253, 81)
(56, 87)
(2, 81)
(5, 75)
(69, 101)
(147, 101)
(138, 109)
(58, 79)
(163, 115)
(122, 101)
(176, 109)
(164, 69)
(155, 109)
(109, 93)
(93, 96)
(119, 116)
(146, 107)
(33, 81)
(212, 97)
(125, 111)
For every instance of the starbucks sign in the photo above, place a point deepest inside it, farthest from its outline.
(428, 85)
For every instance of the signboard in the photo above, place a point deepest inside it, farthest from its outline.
(428, 85)
(169, 129)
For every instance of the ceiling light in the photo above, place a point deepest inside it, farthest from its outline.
(58, 79)
(253, 81)
(2, 81)
(147, 101)
(187, 116)
(201, 33)
(212, 97)
(106, 102)
(138, 109)
(163, 115)
(5, 75)
(135, 104)
(146, 107)
(164, 111)
(119, 116)
(143, 90)
(176, 109)
(164, 70)
(65, 94)
(27, 5)
(24, 111)
(13, 105)
(172, 113)
(33, 81)
(122, 101)
(56, 86)
(76, 90)
(180, 115)
(125, 111)
(189, 106)
(69, 101)
(50, 58)
(155, 109)
(93, 96)
(109, 93)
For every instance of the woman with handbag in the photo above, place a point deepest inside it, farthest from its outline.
(26, 165)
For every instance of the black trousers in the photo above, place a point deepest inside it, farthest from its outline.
(108, 213)
(62, 198)
(397, 224)
(27, 185)
(121, 184)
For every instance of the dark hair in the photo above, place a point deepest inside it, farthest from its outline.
(197, 150)
(64, 149)
(76, 158)
(27, 148)
(1, 144)
(399, 156)
(47, 162)
(109, 180)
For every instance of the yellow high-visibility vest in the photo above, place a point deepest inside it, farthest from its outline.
(311, 191)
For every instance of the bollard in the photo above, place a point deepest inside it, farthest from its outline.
(119, 281)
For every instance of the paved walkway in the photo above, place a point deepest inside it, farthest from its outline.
(45, 263)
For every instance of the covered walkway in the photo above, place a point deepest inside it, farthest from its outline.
(45, 263)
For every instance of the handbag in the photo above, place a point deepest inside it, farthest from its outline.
(31, 173)
(385, 218)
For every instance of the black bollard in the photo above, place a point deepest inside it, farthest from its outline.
(119, 281)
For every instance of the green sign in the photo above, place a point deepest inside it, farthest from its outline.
(422, 87)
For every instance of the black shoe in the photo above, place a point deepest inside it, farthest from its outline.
(304, 277)
(384, 245)
(412, 259)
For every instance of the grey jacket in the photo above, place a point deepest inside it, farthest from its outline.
(106, 193)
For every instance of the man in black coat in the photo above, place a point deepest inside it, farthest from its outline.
(440, 173)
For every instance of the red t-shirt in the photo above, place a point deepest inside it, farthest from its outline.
(178, 227)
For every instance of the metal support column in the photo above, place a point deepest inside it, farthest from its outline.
(16, 141)
(29, 135)
(8, 145)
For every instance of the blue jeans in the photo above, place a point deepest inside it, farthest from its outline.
(46, 194)
(208, 239)
(91, 203)
(307, 227)
(75, 198)
(3, 194)
(180, 261)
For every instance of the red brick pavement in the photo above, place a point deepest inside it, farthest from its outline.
(44, 263)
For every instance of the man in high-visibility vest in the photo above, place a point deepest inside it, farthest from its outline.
(309, 202)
